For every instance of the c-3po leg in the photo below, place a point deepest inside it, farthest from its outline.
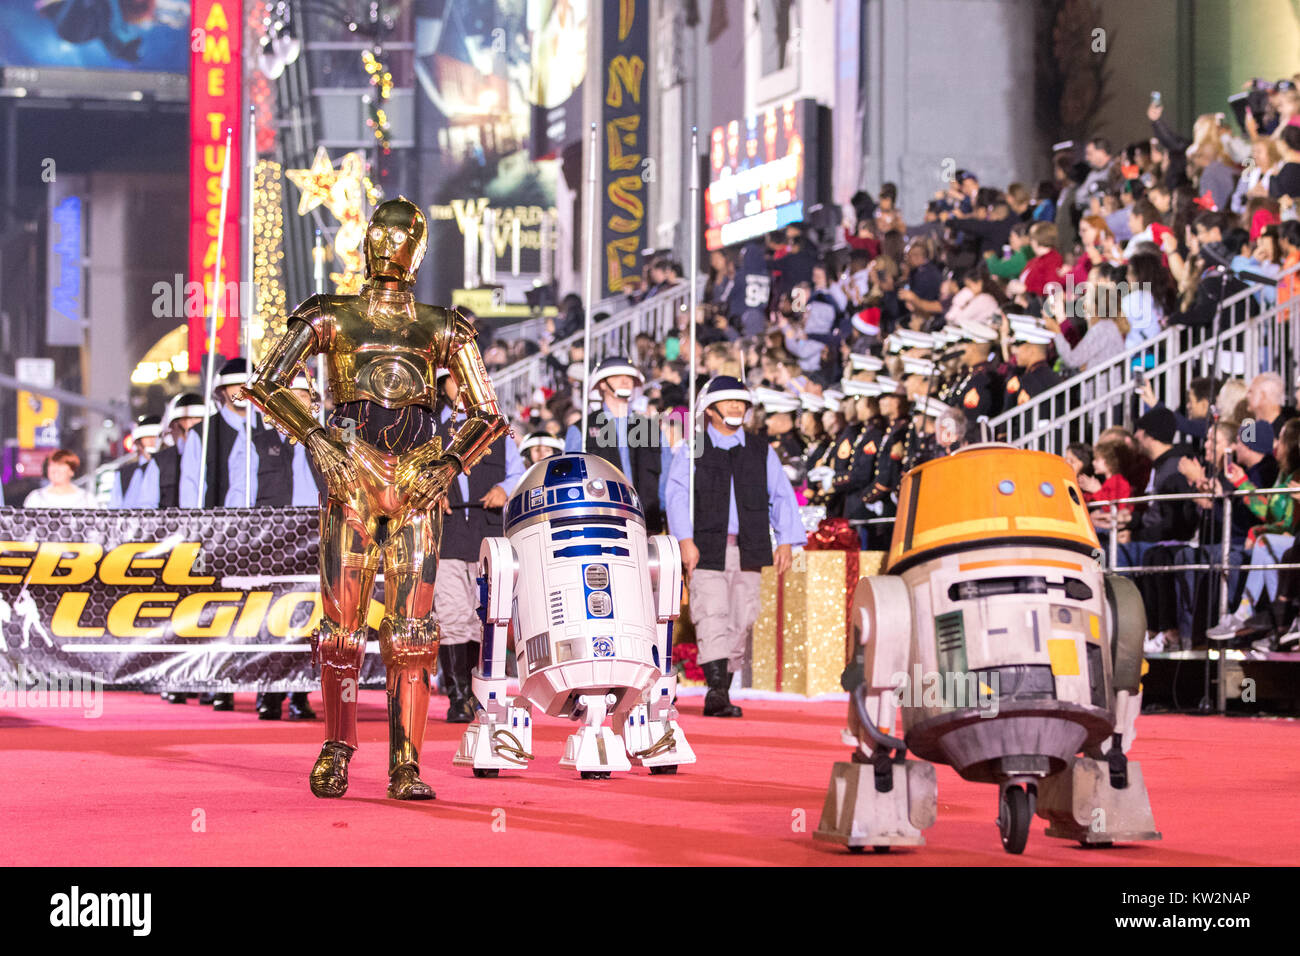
(500, 737)
(408, 640)
(649, 730)
(348, 565)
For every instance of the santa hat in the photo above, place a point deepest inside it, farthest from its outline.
(868, 321)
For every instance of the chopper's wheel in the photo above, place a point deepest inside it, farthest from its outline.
(1014, 815)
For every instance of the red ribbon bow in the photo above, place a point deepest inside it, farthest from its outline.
(836, 534)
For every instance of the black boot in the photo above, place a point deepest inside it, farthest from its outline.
(465, 664)
(717, 702)
(300, 706)
(223, 701)
(451, 662)
(269, 706)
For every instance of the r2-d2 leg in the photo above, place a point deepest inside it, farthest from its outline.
(595, 751)
(650, 730)
(501, 734)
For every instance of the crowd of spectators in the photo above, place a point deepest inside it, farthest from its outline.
(1123, 243)
(903, 333)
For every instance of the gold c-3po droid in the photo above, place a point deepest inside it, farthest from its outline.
(995, 643)
(386, 474)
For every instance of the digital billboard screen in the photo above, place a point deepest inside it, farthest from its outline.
(148, 35)
(762, 173)
(96, 48)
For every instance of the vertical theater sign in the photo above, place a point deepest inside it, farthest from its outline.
(625, 118)
(215, 84)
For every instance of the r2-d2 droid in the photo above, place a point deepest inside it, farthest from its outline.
(592, 601)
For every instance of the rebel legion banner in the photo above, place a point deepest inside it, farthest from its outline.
(170, 599)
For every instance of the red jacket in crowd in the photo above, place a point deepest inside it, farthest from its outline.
(1042, 271)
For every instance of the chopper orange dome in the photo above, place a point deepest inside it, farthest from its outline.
(987, 495)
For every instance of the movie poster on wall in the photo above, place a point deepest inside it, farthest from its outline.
(483, 68)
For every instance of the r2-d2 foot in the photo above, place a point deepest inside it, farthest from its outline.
(501, 735)
(651, 733)
(595, 751)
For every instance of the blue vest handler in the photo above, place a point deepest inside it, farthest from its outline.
(286, 477)
(741, 491)
(626, 439)
(472, 511)
(223, 466)
(135, 483)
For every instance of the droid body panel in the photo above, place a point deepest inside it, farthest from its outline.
(591, 599)
(996, 644)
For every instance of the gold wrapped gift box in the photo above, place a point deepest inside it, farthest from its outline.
(810, 641)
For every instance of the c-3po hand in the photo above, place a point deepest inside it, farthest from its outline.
(432, 483)
(335, 466)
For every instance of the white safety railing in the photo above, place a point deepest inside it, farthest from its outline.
(1250, 339)
(616, 335)
(533, 328)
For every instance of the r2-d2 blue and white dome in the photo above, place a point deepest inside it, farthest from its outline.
(592, 600)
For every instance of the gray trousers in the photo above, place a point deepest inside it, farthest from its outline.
(455, 600)
(724, 606)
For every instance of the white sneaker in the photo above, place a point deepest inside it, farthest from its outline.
(1154, 645)
(1290, 641)
(1173, 641)
(1228, 627)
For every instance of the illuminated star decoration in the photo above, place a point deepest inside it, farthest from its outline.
(344, 192)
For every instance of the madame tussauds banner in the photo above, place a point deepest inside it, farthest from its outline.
(172, 599)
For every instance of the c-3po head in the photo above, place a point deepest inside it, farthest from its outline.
(395, 242)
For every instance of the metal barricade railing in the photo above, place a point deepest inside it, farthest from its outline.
(1238, 343)
(1222, 567)
(616, 335)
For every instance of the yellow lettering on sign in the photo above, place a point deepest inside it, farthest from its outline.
(216, 82)
(468, 213)
(216, 49)
(620, 194)
(179, 565)
(624, 73)
(15, 560)
(215, 122)
(79, 558)
(117, 564)
(122, 615)
(189, 612)
(614, 140)
(280, 619)
(216, 19)
(620, 253)
(250, 618)
(626, 17)
(66, 621)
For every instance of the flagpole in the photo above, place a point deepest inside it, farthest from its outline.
(212, 328)
(318, 270)
(591, 282)
(693, 272)
(246, 312)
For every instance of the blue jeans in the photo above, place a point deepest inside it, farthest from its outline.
(1268, 549)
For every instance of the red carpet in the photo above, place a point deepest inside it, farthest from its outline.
(133, 786)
